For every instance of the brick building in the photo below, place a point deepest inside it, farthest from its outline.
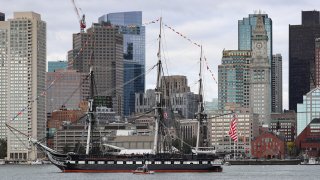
(59, 118)
(268, 145)
(308, 141)
(285, 123)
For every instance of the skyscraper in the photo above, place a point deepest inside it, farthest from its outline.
(245, 32)
(101, 46)
(276, 83)
(22, 77)
(302, 57)
(234, 78)
(130, 25)
(317, 62)
(260, 97)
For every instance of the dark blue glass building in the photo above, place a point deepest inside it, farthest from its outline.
(130, 25)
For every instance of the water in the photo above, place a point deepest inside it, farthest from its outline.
(48, 172)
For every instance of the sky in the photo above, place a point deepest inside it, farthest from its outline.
(212, 23)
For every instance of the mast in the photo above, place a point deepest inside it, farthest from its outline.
(200, 106)
(90, 113)
(158, 96)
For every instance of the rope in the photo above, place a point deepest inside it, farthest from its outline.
(11, 129)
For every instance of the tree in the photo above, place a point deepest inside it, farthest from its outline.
(290, 148)
(3, 148)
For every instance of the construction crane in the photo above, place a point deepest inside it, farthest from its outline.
(82, 20)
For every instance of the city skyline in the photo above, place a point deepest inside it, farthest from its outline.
(211, 23)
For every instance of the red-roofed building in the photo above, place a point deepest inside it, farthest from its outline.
(308, 141)
(268, 145)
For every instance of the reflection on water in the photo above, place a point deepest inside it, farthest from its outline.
(48, 172)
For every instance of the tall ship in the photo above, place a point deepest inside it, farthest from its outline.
(163, 157)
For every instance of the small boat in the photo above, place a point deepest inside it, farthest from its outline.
(37, 162)
(143, 170)
(310, 161)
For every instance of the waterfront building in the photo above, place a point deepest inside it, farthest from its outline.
(125, 135)
(276, 83)
(130, 25)
(285, 123)
(246, 27)
(268, 145)
(104, 53)
(58, 118)
(234, 78)
(219, 125)
(22, 83)
(302, 56)
(260, 90)
(308, 110)
(56, 65)
(308, 141)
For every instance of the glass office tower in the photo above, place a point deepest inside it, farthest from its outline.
(234, 78)
(245, 29)
(308, 110)
(302, 56)
(130, 25)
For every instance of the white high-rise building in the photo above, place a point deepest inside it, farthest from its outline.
(219, 126)
(22, 82)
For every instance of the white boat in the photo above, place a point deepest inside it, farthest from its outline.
(227, 163)
(37, 162)
(143, 170)
(310, 161)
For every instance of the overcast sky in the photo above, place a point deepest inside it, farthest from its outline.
(213, 23)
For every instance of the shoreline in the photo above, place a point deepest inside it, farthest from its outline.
(265, 162)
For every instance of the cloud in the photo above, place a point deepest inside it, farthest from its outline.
(212, 23)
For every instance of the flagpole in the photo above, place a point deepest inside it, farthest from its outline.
(233, 133)
(234, 150)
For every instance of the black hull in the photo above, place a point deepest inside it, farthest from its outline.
(116, 168)
(115, 164)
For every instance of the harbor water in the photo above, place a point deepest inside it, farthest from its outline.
(272, 172)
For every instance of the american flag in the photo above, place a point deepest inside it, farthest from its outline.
(165, 115)
(233, 129)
